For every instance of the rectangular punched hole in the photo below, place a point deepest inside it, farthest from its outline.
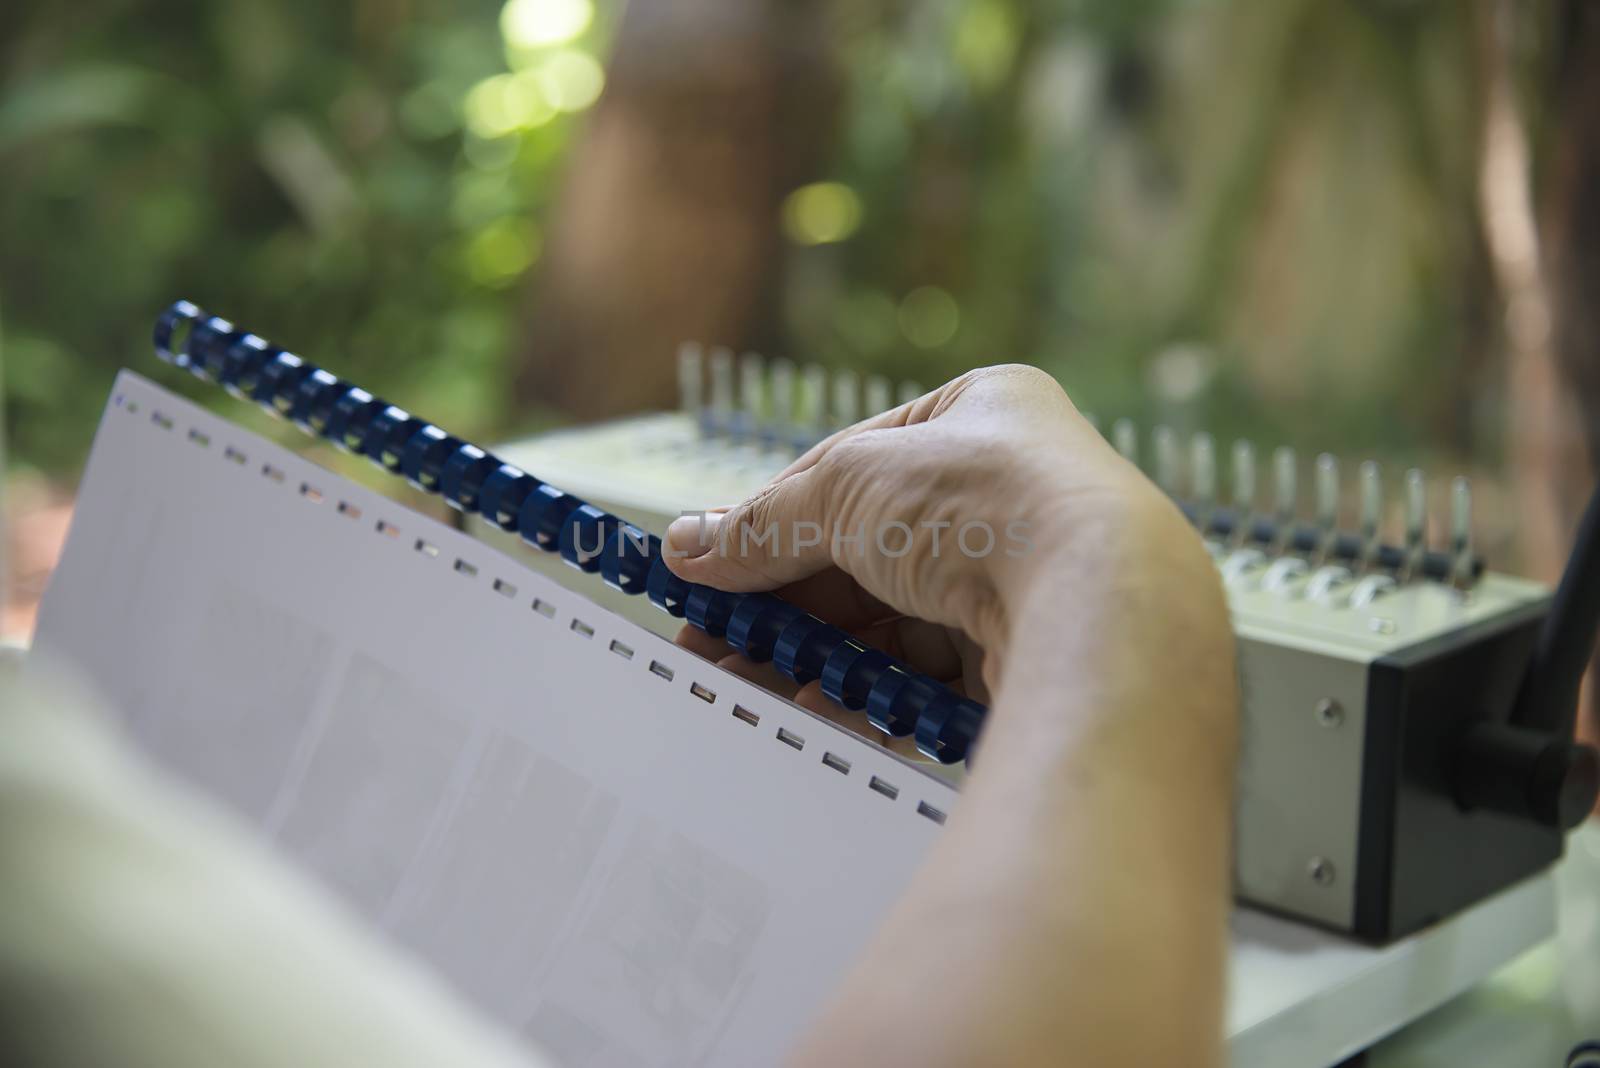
(837, 763)
(580, 627)
(708, 696)
(388, 529)
(622, 650)
(200, 439)
(887, 789)
(349, 510)
(544, 608)
(268, 471)
(790, 738)
(742, 713)
(234, 454)
(504, 588)
(469, 570)
(310, 493)
(925, 809)
(427, 548)
(658, 668)
(162, 421)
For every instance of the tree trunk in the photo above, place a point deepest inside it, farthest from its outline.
(667, 226)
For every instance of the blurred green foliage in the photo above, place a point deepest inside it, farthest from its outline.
(1258, 217)
(300, 168)
(1255, 218)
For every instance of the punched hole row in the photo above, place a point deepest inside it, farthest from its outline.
(345, 508)
(795, 741)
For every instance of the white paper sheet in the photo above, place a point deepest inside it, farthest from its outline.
(597, 856)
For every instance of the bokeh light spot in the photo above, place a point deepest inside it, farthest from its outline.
(1179, 373)
(570, 80)
(821, 212)
(507, 103)
(929, 317)
(537, 23)
(986, 43)
(501, 251)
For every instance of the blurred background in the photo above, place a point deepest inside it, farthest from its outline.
(1367, 226)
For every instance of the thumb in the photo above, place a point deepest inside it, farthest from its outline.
(777, 537)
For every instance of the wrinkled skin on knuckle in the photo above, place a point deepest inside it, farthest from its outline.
(932, 485)
(744, 532)
(1018, 391)
(1020, 376)
(851, 475)
(755, 515)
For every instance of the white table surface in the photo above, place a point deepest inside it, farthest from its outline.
(1535, 1009)
(1513, 981)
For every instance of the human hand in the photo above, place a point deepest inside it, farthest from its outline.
(934, 529)
(1092, 838)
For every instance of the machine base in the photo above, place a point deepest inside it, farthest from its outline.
(1303, 998)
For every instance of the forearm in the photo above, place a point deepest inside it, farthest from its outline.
(1071, 911)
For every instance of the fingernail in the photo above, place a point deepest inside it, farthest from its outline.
(691, 536)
